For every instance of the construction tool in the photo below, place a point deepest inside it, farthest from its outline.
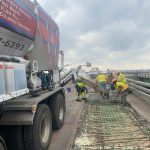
(120, 93)
(94, 86)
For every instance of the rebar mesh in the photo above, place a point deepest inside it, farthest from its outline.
(108, 126)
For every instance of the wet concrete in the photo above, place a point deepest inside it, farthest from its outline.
(62, 139)
(107, 125)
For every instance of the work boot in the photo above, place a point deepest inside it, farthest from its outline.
(85, 99)
(78, 100)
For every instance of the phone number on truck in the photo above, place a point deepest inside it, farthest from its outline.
(11, 44)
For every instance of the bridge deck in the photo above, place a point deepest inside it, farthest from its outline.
(109, 126)
(63, 138)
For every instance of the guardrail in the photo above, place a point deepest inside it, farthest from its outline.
(140, 88)
(138, 73)
(144, 74)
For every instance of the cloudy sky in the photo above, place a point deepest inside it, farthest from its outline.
(108, 33)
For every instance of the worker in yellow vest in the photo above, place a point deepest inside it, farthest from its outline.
(81, 90)
(121, 87)
(122, 90)
(101, 81)
(121, 77)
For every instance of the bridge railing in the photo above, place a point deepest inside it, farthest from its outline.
(140, 88)
(137, 73)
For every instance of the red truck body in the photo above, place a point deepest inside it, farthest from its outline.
(22, 24)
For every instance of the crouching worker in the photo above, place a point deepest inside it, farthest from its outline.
(81, 90)
(122, 89)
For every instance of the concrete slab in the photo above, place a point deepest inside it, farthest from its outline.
(105, 125)
(62, 139)
(141, 106)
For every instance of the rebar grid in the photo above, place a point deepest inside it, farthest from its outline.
(107, 126)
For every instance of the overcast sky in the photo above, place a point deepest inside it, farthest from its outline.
(111, 34)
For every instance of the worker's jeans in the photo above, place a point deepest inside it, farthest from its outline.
(102, 85)
(124, 96)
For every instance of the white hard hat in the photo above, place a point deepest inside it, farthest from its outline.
(102, 72)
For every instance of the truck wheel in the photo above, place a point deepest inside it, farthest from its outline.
(14, 138)
(38, 136)
(2, 144)
(58, 107)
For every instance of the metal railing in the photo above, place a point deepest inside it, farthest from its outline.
(140, 88)
(137, 73)
(67, 77)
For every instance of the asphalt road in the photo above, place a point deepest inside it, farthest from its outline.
(63, 139)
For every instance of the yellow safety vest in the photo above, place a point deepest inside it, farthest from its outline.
(101, 78)
(121, 78)
(80, 84)
(121, 84)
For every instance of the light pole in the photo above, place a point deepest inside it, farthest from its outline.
(61, 52)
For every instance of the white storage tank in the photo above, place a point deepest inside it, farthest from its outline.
(9, 78)
(2, 79)
(20, 77)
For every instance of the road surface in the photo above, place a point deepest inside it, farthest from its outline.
(63, 139)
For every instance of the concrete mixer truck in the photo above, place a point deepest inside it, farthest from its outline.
(32, 102)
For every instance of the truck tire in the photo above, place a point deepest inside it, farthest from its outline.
(58, 107)
(14, 138)
(2, 144)
(38, 136)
